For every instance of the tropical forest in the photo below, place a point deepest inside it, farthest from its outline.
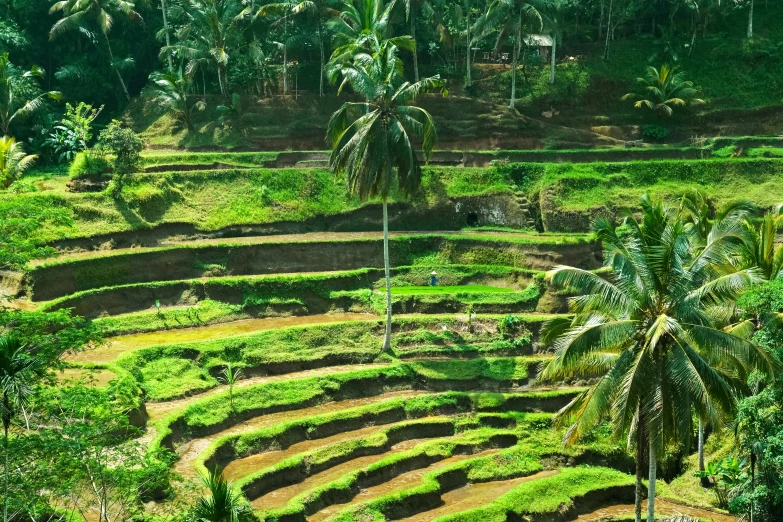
(391, 260)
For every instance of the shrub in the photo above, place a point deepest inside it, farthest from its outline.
(74, 131)
(124, 144)
(656, 132)
(89, 164)
(725, 152)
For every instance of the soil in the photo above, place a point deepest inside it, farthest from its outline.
(662, 507)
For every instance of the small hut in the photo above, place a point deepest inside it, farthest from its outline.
(543, 42)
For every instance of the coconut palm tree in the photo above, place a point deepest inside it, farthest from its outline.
(172, 92)
(18, 372)
(207, 35)
(12, 108)
(651, 331)
(761, 248)
(372, 141)
(13, 161)
(319, 9)
(229, 377)
(511, 18)
(222, 505)
(94, 15)
(663, 89)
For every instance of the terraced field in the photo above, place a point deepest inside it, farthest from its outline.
(449, 425)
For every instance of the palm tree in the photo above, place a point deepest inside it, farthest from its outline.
(13, 161)
(78, 15)
(761, 248)
(372, 140)
(511, 18)
(223, 504)
(208, 33)
(172, 92)
(663, 89)
(650, 331)
(361, 27)
(320, 9)
(229, 377)
(12, 108)
(18, 372)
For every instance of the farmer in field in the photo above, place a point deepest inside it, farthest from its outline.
(434, 278)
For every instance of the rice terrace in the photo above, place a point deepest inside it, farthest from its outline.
(391, 260)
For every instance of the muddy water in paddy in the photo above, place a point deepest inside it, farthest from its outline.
(279, 498)
(117, 346)
(662, 507)
(97, 378)
(474, 495)
(190, 450)
(399, 483)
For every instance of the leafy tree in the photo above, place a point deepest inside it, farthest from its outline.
(94, 16)
(663, 89)
(19, 370)
(511, 18)
(371, 141)
(12, 107)
(13, 161)
(222, 505)
(651, 332)
(124, 144)
(173, 94)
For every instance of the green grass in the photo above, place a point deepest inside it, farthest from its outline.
(426, 290)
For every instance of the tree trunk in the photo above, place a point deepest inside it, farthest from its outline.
(387, 337)
(467, 47)
(552, 61)
(166, 29)
(117, 71)
(704, 481)
(5, 473)
(640, 445)
(285, 56)
(415, 52)
(651, 484)
(514, 61)
(750, 20)
(321, 45)
(601, 21)
(608, 25)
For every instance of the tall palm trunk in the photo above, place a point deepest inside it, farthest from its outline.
(640, 445)
(166, 29)
(651, 483)
(514, 62)
(750, 20)
(608, 31)
(285, 55)
(387, 338)
(323, 57)
(415, 52)
(111, 64)
(704, 480)
(467, 47)
(552, 61)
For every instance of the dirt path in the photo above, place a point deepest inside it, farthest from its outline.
(286, 238)
(662, 507)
